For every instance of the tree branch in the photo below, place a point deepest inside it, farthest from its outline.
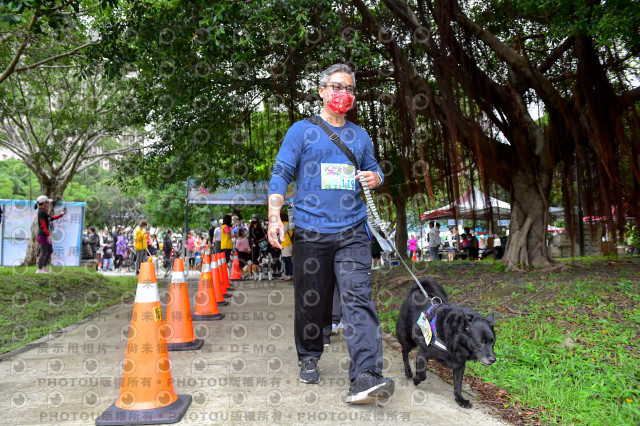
(516, 61)
(119, 151)
(33, 132)
(10, 68)
(5, 37)
(12, 144)
(630, 97)
(96, 158)
(69, 148)
(556, 54)
(52, 58)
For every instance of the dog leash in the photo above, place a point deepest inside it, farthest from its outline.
(377, 222)
(385, 240)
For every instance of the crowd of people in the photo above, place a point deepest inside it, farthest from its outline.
(232, 234)
(228, 235)
(456, 246)
(111, 250)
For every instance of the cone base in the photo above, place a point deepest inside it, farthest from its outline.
(185, 346)
(227, 296)
(223, 303)
(213, 317)
(236, 279)
(171, 413)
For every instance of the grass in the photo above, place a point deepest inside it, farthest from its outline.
(35, 305)
(568, 342)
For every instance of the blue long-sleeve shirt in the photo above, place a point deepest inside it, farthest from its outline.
(308, 154)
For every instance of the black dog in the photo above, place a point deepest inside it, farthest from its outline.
(466, 334)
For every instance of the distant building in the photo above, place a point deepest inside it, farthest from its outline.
(5, 154)
(123, 141)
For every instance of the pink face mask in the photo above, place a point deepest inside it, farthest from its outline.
(340, 102)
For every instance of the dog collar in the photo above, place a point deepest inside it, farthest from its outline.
(431, 317)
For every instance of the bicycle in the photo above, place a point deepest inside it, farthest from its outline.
(130, 260)
(166, 265)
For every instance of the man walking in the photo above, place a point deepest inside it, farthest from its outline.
(434, 240)
(167, 247)
(330, 242)
(212, 229)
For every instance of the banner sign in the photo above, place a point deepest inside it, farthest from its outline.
(243, 194)
(17, 218)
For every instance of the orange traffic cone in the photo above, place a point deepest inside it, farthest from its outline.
(217, 281)
(414, 258)
(178, 323)
(223, 287)
(206, 307)
(146, 392)
(225, 272)
(236, 274)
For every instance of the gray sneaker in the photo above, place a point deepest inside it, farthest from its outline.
(309, 371)
(369, 387)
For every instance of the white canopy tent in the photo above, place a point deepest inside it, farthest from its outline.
(473, 205)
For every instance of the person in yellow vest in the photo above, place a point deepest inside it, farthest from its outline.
(287, 246)
(225, 237)
(140, 244)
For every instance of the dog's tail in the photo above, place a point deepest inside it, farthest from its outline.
(432, 288)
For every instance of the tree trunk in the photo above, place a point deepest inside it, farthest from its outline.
(400, 204)
(527, 244)
(33, 249)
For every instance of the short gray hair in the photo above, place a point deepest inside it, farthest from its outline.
(324, 77)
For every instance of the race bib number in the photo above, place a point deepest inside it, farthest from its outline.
(338, 176)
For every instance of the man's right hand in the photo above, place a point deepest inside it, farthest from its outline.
(276, 233)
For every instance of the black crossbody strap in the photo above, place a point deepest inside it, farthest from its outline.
(335, 139)
(370, 205)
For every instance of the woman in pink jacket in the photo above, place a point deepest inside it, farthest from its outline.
(412, 245)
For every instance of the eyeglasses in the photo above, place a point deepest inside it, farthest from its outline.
(340, 88)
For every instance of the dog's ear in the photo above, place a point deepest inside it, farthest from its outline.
(466, 319)
(491, 319)
(457, 321)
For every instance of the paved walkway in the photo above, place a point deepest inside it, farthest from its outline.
(246, 373)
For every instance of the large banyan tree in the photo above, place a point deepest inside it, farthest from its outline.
(484, 66)
(442, 84)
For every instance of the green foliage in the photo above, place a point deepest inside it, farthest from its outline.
(22, 181)
(59, 125)
(634, 236)
(610, 22)
(184, 52)
(575, 382)
(108, 206)
(388, 320)
(35, 305)
(498, 268)
(44, 33)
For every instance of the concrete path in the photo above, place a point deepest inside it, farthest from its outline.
(246, 373)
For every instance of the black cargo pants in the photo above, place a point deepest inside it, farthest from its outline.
(319, 262)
